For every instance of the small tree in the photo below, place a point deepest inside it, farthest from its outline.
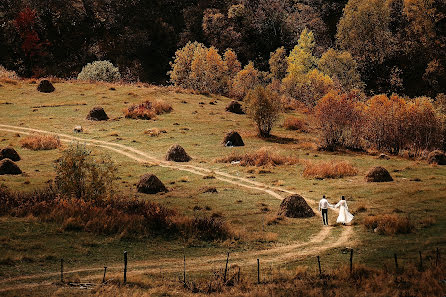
(81, 175)
(278, 63)
(263, 106)
(100, 71)
(247, 78)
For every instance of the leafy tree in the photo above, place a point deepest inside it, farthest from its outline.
(248, 78)
(182, 64)
(341, 66)
(301, 59)
(78, 173)
(263, 106)
(278, 63)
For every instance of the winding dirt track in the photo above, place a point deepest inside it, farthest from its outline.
(278, 254)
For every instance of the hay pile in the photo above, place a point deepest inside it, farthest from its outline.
(233, 139)
(9, 167)
(150, 184)
(9, 153)
(177, 154)
(437, 157)
(235, 107)
(295, 206)
(97, 114)
(45, 86)
(378, 175)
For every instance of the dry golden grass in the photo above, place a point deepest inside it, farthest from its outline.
(6, 74)
(262, 157)
(39, 142)
(389, 224)
(161, 106)
(294, 123)
(329, 169)
(153, 132)
(147, 110)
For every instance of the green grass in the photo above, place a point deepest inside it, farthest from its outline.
(200, 130)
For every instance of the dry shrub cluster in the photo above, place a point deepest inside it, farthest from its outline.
(294, 123)
(147, 110)
(6, 74)
(389, 224)
(262, 157)
(38, 142)
(153, 132)
(330, 169)
(123, 216)
(384, 123)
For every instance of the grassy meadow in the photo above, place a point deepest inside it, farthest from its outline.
(198, 123)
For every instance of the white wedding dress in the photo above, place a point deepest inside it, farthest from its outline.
(344, 216)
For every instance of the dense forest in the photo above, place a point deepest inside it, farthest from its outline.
(397, 45)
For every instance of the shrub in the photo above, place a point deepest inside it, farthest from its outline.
(147, 110)
(294, 123)
(38, 142)
(7, 74)
(81, 175)
(389, 224)
(261, 157)
(330, 169)
(100, 71)
(263, 106)
(161, 106)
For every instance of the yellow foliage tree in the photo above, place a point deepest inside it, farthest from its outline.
(248, 78)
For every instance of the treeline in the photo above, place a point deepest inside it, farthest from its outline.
(397, 45)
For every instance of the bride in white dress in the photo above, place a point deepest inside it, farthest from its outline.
(344, 216)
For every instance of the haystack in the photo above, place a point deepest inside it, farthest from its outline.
(9, 167)
(233, 139)
(150, 184)
(177, 154)
(235, 107)
(97, 114)
(378, 175)
(437, 157)
(295, 206)
(9, 153)
(45, 86)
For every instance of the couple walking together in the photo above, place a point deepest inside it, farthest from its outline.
(344, 216)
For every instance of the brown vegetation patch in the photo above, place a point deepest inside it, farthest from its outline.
(150, 184)
(389, 224)
(153, 132)
(9, 153)
(378, 174)
(97, 114)
(45, 86)
(9, 167)
(261, 157)
(209, 190)
(295, 206)
(233, 138)
(177, 153)
(294, 123)
(147, 110)
(437, 157)
(38, 142)
(329, 169)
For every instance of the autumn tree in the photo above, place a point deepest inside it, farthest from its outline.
(248, 78)
(263, 106)
(341, 66)
(278, 63)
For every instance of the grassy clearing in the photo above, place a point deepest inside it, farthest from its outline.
(418, 189)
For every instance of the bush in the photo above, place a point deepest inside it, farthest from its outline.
(389, 224)
(147, 110)
(330, 169)
(263, 106)
(100, 71)
(261, 157)
(38, 142)
(81, 175)
(7, 74)
(294, 123)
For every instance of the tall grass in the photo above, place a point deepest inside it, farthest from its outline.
(123, 216)
(329, 169)
(39, 142)
(389, 224)
(261, 157)
(147, 110)
(294, 123)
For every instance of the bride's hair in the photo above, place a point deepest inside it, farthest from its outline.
(343, 198)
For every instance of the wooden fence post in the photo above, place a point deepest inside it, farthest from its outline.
(351, 261)
(319, 264)
(61, 270)
(258, 271)
(396, 262)
(125, 267)
(421, 261)
(105, 271)
(226, 269)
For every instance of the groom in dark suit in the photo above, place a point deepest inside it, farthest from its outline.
(323, 208)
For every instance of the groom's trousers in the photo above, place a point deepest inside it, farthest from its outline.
(325, 216)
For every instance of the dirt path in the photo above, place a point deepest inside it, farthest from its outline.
(278, 254)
